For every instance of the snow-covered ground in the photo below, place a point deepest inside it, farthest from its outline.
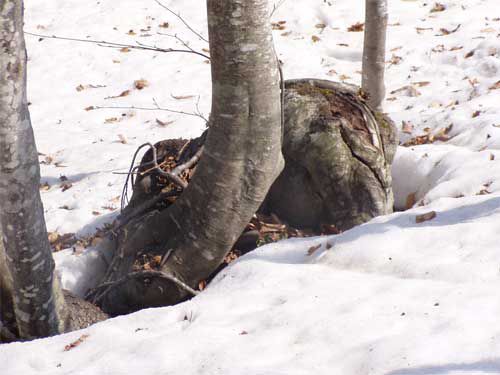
(391, 297)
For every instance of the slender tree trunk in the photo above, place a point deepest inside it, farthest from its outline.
(374, 52)
(241, 159)
(38, 299)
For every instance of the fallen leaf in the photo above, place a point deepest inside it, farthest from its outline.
(315, 38)
(110, 120)
(74, 344)
(45, 186)
(181, 97)
(163, 123)
(140, 84)
(125, 50)
(407, 127)
(357, 27)
(66, 185)
(425, 217)
(312, 249)
(438, 8)
(121, 95)
(411, 199)
(202, 284)
(495, 86)
(122, 139)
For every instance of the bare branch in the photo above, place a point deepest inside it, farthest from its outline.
(276, 6)
(103, 43)
(137, 275)
(157, 108)
(182, 20)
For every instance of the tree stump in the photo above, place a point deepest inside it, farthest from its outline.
(338, 156)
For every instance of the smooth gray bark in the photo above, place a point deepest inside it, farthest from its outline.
(241, 159)
(374, 52)
(38, 299)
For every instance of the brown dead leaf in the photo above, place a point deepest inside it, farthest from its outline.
(438, 8)
(425, 217)
(445, 32)
(74, 344)
(110, 120)
(407, 127)
(182, 97)
(395, 60)
(357, 27)
(45, 186)
(121, 95)
(411, 199)
(315, 38)
(122, 139)
(90, 108)
(421, 83)
(495, 86)
(66, 185)
(163, 123)
(164, 25)
(320, 26)
(421, 29)
(407, 91)
(202, 285)
(125, 50)
(313, 249)
(140, 84)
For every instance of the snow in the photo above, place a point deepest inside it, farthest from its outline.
(389, 297)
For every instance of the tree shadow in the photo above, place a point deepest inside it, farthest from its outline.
(490, 366)
(403, 220)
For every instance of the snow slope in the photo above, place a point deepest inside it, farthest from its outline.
(390, 297)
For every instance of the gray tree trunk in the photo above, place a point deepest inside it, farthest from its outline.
(241, 159)
(374, 52)
(38, 299)
(8, 329)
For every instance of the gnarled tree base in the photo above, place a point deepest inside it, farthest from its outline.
(338, 155)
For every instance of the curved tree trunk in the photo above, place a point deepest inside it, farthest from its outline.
(39, 303)
(241, 159)
(374, 52)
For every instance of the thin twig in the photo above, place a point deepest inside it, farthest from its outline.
(182, 20)
(142, 274)
(276, 6)
(182, 41)
(124, 218)
(181, 168)
(103, 43)
(156, 108)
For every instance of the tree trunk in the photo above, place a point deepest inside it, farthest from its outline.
(374, 52)
(241, 159)
(38, 299)
(8, 328)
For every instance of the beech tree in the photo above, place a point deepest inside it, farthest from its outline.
(374, 52)
(32, 302)
(37, 297)
(241, 159)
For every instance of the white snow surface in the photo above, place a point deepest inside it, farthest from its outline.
(390, 297)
